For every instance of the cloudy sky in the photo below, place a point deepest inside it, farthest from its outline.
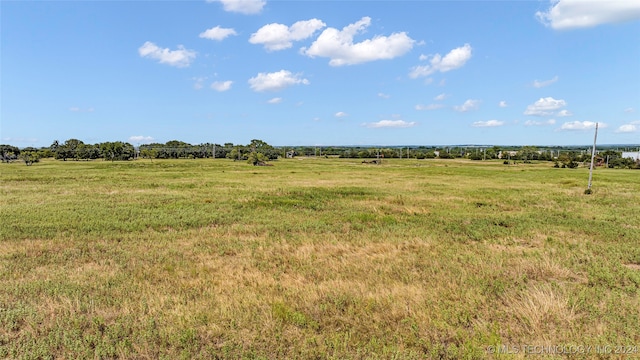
(321, 72)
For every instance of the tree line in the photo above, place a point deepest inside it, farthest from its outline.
(258, 152)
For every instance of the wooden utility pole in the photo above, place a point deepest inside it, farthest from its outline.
(593, 156)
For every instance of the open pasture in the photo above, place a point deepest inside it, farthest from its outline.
(314, 258)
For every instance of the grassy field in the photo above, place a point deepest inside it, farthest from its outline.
(314, 258)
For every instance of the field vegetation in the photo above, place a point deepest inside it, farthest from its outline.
(314, 258)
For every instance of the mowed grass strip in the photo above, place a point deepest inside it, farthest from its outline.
(313, 258)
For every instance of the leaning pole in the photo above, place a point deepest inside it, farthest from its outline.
(593, 156)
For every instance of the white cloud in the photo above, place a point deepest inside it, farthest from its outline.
(278, 36)
(581, 125)
(628, 128)
(423, 57)
(488, 123)
(391, 124)
(221, 85)
(544, 106)
(503, 104)
(20, 140)
(564, 113)
(539, 123)
(275, 100)
(467, 106)
(140, 139)
(340, 114)
(455, 59)
(540, 84)
(429, 107)
(572, 14)
(217, 33)
(246, 7)
(629, 110)
(179, 58)
(441, 97)
(338, 45)
(275, 81)
(384, 96)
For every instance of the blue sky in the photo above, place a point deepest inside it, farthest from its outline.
(320, 72)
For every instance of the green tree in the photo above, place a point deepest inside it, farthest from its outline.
(149, 153)
(9, 153)
(257, 158)
(117, 151)
(265, 149)
(528, 153)
(29, 157)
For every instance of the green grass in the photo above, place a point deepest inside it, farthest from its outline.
(314, 258)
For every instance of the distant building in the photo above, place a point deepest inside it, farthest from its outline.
(507, 154)
(635, 155)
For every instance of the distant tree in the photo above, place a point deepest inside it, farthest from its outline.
(117, 151)
(567, 160)
(45, 152)
(68, 150)
(430, 154)
(262, 147)
(528, 153)
(9, 153)
(149, 153)
(611, 153)
(29, 157)
(492, 152)
(444, 155)
(238, 153)
(257, 158)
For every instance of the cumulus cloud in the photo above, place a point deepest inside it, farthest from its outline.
(279, 37)
(542, 83)
(340, 114)
(246, 7)
(276, 81)
(545, 107)
(628, 128)
(488, 123)
(440, 97)
(503, 104)
(338, 45)
(572, 14)
(217, 33)
(467, 106)
(429, 107)
(384, 96)
(581, 125)
(275, 100)
(564, 113)
(629, 110)
(179, 58)
(631, 127)
(390, 124)
(455, 59)
(140, 139)
(539, 123)
(222, 85)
